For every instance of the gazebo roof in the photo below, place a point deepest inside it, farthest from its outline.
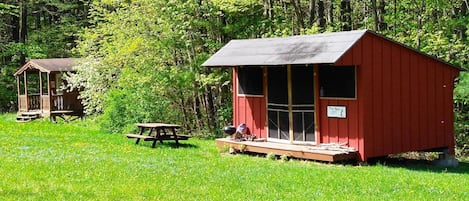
(49, 65)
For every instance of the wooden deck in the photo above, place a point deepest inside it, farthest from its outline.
(309, 152)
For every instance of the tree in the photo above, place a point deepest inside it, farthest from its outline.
(345, 15)
(35, 29)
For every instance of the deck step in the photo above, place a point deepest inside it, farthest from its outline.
(32, 113)
(23, 120)
(27, 116)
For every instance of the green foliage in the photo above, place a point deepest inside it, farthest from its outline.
(284, 157)
(149, 71)
(462, 130)
(461, 92)
(271, 156)
(8, 9)
(8, 89)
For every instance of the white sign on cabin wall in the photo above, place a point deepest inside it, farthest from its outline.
(337, 111)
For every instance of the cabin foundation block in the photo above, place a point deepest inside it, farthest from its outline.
(445, 159)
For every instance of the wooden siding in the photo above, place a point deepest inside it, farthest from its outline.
(249, 110)
(45, 104)
(338, 130)
(404, 101)
(22, 103)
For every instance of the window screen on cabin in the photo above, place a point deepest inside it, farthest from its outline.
(250, 81)
(337, 81)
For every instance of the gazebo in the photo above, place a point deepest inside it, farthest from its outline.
(42, 90)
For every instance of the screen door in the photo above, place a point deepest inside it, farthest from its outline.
(302, 103)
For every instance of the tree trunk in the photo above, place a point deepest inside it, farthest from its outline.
(268, 9)
(345, 15)
(23, 28)
(37, 22)
(15, 31)
(420, 23)
(331, 11)
(462, 30)
(212, 117)
(374, 9)
(381, 9)
(395, 18)
(321, 16)
(210, 109)
(268, 12)
(197, 112)
(222, 37)
(298, 16)
(186, 122)
(312, 12)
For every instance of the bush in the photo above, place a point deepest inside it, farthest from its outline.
(461, 129)
(125, 107)
(8, 96)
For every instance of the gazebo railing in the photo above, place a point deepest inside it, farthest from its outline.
(58, 102)
(34, 102)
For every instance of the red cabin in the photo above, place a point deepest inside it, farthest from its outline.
(356, 88)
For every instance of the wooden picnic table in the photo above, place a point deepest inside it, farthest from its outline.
(157, 132)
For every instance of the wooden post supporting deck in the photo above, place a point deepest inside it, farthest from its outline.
(290, 103)
(266, 92)
(316, 103)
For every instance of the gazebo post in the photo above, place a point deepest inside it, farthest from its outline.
(49, 92)
(40, 91)
(18, 91)
(25, 79)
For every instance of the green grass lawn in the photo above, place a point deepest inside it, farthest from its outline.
(76, 161)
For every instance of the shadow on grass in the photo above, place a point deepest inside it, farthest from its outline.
(170, 145)
(420, 165)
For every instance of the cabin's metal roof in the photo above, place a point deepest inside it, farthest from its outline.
(49, 65)
(325, 48)
(306, 49)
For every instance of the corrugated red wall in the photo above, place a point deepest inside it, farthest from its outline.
(249, 110)
(404, 101)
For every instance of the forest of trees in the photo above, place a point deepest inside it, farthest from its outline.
(142, 57)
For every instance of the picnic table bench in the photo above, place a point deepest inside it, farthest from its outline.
(66, 115)
(157, 132)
